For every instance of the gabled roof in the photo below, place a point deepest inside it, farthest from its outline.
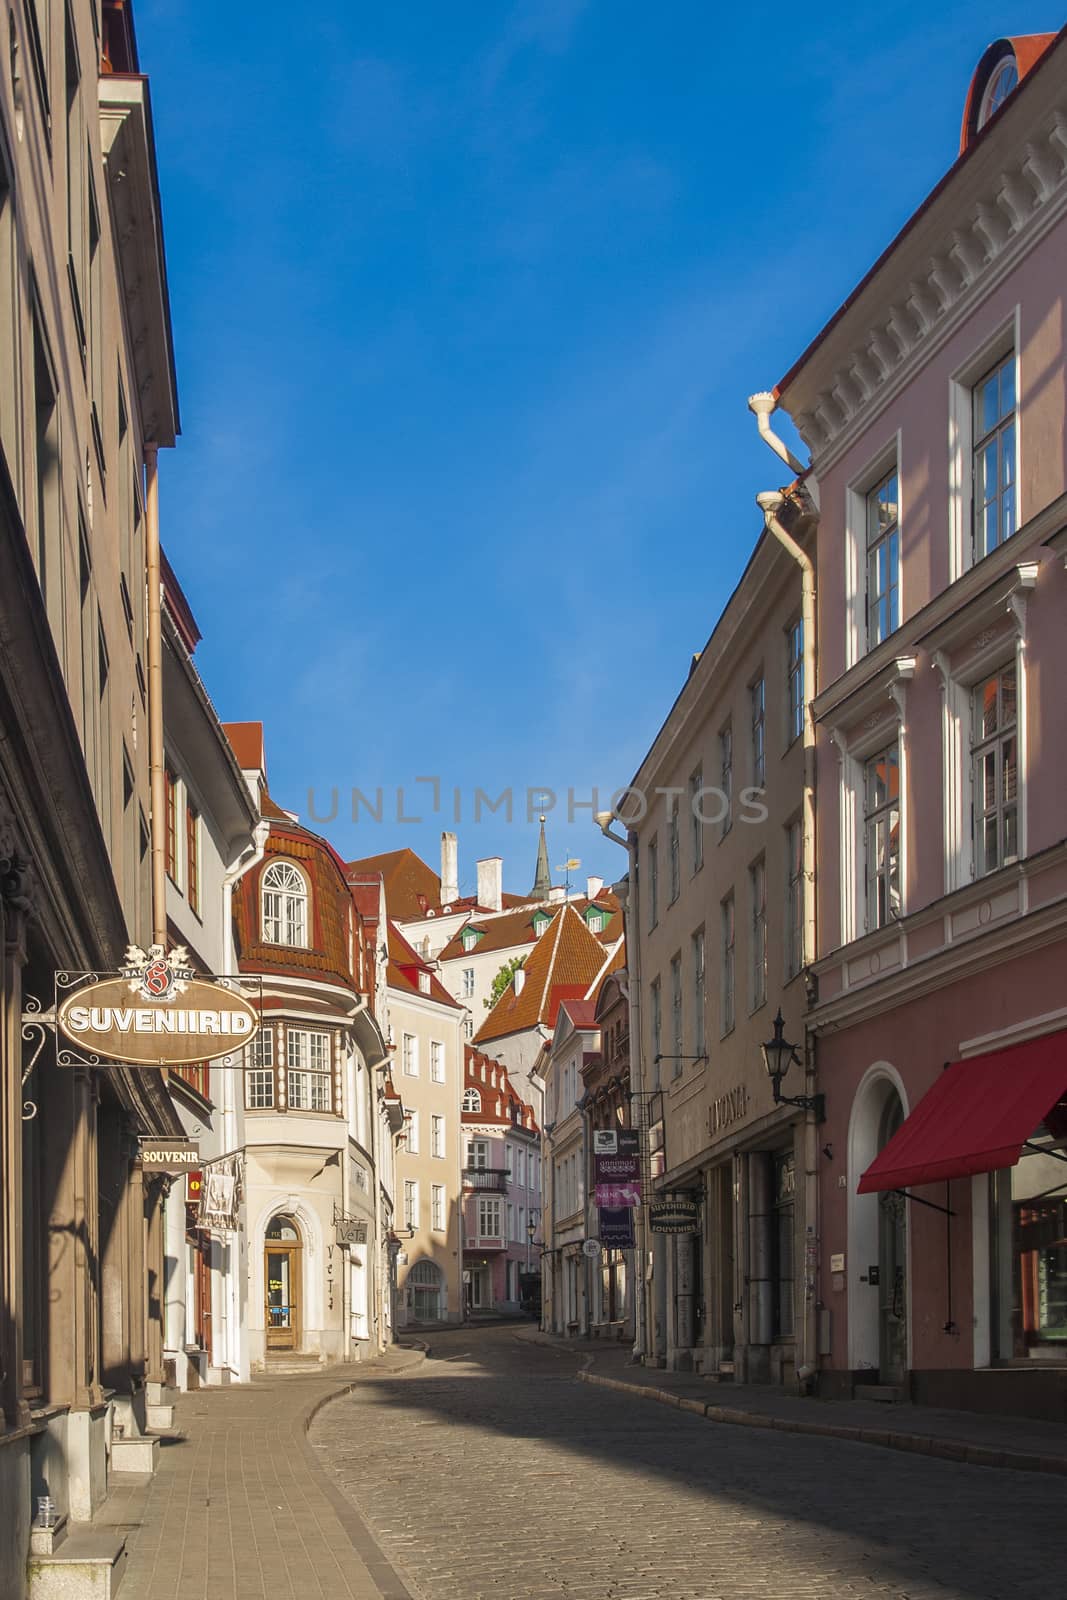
(411, 887)
(505, 932)
(563, 964)
(405, 967)
(246, 742)
(501, 1105)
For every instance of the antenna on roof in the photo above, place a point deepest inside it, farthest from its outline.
(567, 867)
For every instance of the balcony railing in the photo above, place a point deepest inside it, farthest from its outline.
(486, 1180)
(490, 1242)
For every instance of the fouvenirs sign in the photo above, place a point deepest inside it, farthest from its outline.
(156, 1012)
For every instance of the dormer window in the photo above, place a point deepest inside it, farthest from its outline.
(472, 1100)
(470, 938)
(1004, 79)
(424, 983)
(594, 920)
(540, 923)
(284, 905)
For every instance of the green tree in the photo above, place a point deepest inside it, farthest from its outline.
(502, 979)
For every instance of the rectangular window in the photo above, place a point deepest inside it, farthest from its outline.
(49, 548)
(794, 915)
(881, 826)
(308, 1069)
(77, 232)
(673, 852)
(653, 882)
(478, 1154)
(656, 1029)
(883, 559)
(104, 691)
(489, 1226)
(994, 457)
(795, 679)
(696, 783)
(437, 1136)
(510, 1222)
(728, 974)
(758, 699)
(192, 857)
(468, 983)
(411, 1055)
(411, 1204)
(726, 775)
(437, 1061)
(171, 785)
(676, 1013)
(437, 1207)
(509, 1156)
(757, 880)
(995, 767)
(411, 1128)
(10, 385)
(699, 995)
(259, 1081)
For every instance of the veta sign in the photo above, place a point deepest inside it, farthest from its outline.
(157, 1013)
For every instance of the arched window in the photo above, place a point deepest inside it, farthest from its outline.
(284, 1230)
(472, 1100)
(285, 905)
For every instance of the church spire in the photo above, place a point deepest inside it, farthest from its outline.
(542, 878)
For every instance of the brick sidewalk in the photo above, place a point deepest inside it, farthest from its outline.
(982, 1440)
(240, 1509)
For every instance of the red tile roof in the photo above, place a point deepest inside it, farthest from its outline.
(246, 742)
(404, 969)
(504, 932)
(410, 885)
(494, 1086)
(564, 963)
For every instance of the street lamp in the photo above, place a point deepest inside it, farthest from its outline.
(778, 1056)
(531, 1229)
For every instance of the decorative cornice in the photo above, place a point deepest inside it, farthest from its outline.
(1017, 205)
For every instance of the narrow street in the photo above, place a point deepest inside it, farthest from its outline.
(489, 1471)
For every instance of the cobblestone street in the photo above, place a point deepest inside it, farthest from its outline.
(489, 1471)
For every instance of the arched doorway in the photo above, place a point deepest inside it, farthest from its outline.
(282, 1277)
(877, 1261)
(424, 1280)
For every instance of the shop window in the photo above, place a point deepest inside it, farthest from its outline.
(784, 1225)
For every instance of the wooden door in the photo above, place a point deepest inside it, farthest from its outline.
(282, 1277)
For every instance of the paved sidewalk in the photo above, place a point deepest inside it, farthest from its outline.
(981, 1440)
(240, 1508)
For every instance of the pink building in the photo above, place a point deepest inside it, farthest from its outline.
(933, 403)
(501, 1190)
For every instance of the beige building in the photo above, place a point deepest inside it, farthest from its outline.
(718, 924)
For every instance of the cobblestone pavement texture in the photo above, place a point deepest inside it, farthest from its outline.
(240, 1508)
(490, 1471)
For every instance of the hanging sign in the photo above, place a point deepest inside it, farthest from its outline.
(616, 1228)
(678, 1214)
(172, 1156)
(156, 1012)
(617, 1173)
(350, 1230)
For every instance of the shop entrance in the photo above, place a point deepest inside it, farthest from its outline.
(892, 1265)
(877, 1253)
(282, 1252)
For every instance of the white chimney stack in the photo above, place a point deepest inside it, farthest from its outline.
(593, 887)
(449, 869)
(491, 883)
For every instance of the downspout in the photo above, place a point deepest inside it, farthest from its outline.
(154, 645)
(770, 504)
(762, 406)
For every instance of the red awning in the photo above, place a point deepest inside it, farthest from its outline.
(976, 1118)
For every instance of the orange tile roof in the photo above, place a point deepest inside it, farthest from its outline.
(405, 965)
(246, 742)
(517, 927)
(411, 887)
(493, 1082)
(563, 964)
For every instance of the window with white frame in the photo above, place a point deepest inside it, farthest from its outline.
(489, 1222)
(994, 441)
(676, 1013)
(478, 1154)
(995, 769)
(437, 1061)
(410, 1055)
(411, 1128)
(726, 775)
(883, 558)
(284, 895)
(509, 1160)
(673, 855)
(758, 706)
(656, 1029)
(794, 639)
(308, 1069)
(510, 1224)
(472, 1100)
(520, 1168)
(699, 994)
(468, 983)
(259, 1080)
(728, 974)
(794, 914)
(594, 920)
(437, 1136)
(653, 882)
(411, 1204)
(757, 885)
(881, 833)
(696, 828)
(437, 1207)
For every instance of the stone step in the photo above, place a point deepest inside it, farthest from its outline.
(162, 1394)
(137, 1454)
(46, 1541)
(89, 1564)
(159, 1417)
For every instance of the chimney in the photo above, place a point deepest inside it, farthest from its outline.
(593, 887)
(491, 883)
(518, 979)
(449, 869)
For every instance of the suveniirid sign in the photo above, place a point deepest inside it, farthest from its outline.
(675, 1215)
(157, 1013)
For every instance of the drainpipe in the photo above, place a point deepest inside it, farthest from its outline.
(770, 504)
(632, 925)
(154, 642)
(762, 406)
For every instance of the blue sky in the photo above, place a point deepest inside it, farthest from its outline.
(467, 302)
